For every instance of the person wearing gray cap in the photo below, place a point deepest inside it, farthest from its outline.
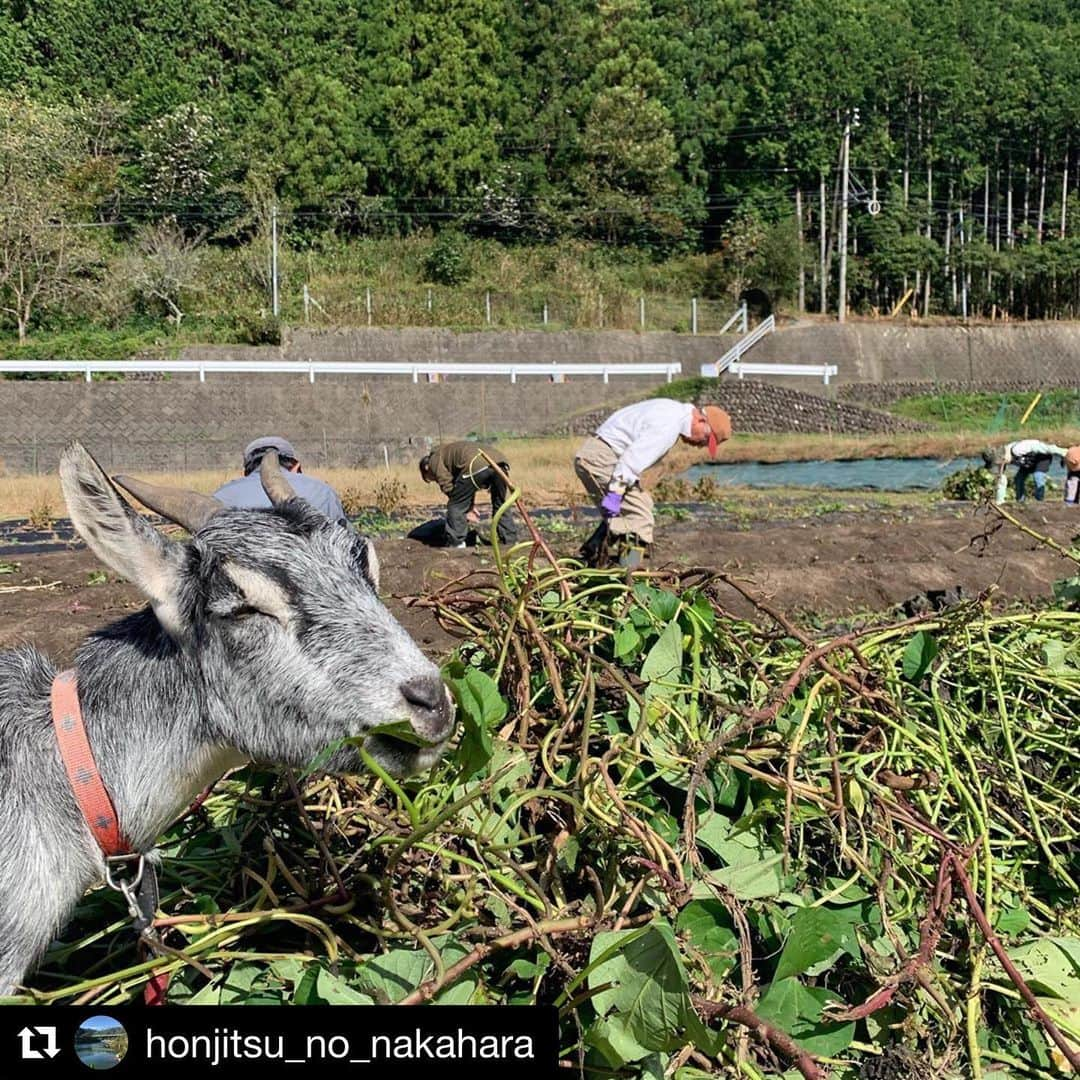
(247, 493)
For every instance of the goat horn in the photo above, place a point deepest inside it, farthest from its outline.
(187, 508)
(277, 488)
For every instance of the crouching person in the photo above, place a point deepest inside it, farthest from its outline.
(461, 469)
(610, 464)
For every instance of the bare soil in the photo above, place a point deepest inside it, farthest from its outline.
(826, 567)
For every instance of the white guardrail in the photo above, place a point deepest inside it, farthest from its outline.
(823, 371)
(432, 372)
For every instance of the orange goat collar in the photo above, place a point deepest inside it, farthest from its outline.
(85, 780)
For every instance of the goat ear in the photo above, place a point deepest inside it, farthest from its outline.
(122, 539)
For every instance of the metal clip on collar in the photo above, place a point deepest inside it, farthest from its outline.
(126, 885)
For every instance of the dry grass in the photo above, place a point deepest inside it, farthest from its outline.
(545, 467)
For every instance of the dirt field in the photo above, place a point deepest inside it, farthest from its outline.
(832, 565)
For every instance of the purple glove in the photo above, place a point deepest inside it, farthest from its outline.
(611, 504)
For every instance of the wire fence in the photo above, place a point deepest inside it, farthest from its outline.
(334, 304)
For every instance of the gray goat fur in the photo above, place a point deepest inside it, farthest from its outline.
(265, 640)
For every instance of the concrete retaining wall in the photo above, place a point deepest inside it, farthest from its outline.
(1047, 354)
(178, 423)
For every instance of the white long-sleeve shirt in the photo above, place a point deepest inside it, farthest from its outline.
(642, 434)
(1022, 447)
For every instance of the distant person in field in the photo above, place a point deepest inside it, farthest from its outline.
(1072, 475)
(461, 469)
(247, 493)
(610, 463)
(1032, 457)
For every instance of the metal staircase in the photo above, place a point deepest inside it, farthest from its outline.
(745, 343)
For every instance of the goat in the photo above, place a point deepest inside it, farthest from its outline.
(264, 640)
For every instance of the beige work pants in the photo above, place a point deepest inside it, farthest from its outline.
(595, 464)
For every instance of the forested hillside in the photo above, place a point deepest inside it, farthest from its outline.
(142, 139)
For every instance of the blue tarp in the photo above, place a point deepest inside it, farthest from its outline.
(881, 474)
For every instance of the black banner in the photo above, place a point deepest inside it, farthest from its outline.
(254, 1040)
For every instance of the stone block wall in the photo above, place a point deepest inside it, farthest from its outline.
(767, 408)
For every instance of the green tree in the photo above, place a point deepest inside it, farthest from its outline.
(435, 96)
(43, 155)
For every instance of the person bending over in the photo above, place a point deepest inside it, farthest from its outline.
(461, 469)
(610, 463)
(1032, 457)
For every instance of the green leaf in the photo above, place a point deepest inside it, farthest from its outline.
(708, 927)
(665, 658)
(395, 974)
(796, 1010)
(818, 935)
(919, 655)
(703, 609)
(401, 730)
(615, 1042)
(643, 990)
(335, 991)
(736, 846)
(1051, 966)
(627, 641)
(856, 798)
(462, 992)
(1012, 920)
(1056, 657)
(658, 603)
(568, 855)
(237, 984)
(288, 969)
(754, 881)
(481, 708)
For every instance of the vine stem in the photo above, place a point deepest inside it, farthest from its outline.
(777, 1039)
(1051, 1029)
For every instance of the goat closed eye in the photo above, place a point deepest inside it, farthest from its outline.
(245, 611)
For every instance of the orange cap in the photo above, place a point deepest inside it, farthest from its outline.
(719, 425)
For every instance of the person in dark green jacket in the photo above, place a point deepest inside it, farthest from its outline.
(461, 469)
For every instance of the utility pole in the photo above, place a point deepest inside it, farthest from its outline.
(802, 269)
(273, 261)
(1064, 191)
(964, 277)
(841, 300)
(823, 284)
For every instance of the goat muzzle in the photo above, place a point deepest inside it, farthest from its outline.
(431, 707)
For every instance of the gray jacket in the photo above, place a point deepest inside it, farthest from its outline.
(247, 494)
